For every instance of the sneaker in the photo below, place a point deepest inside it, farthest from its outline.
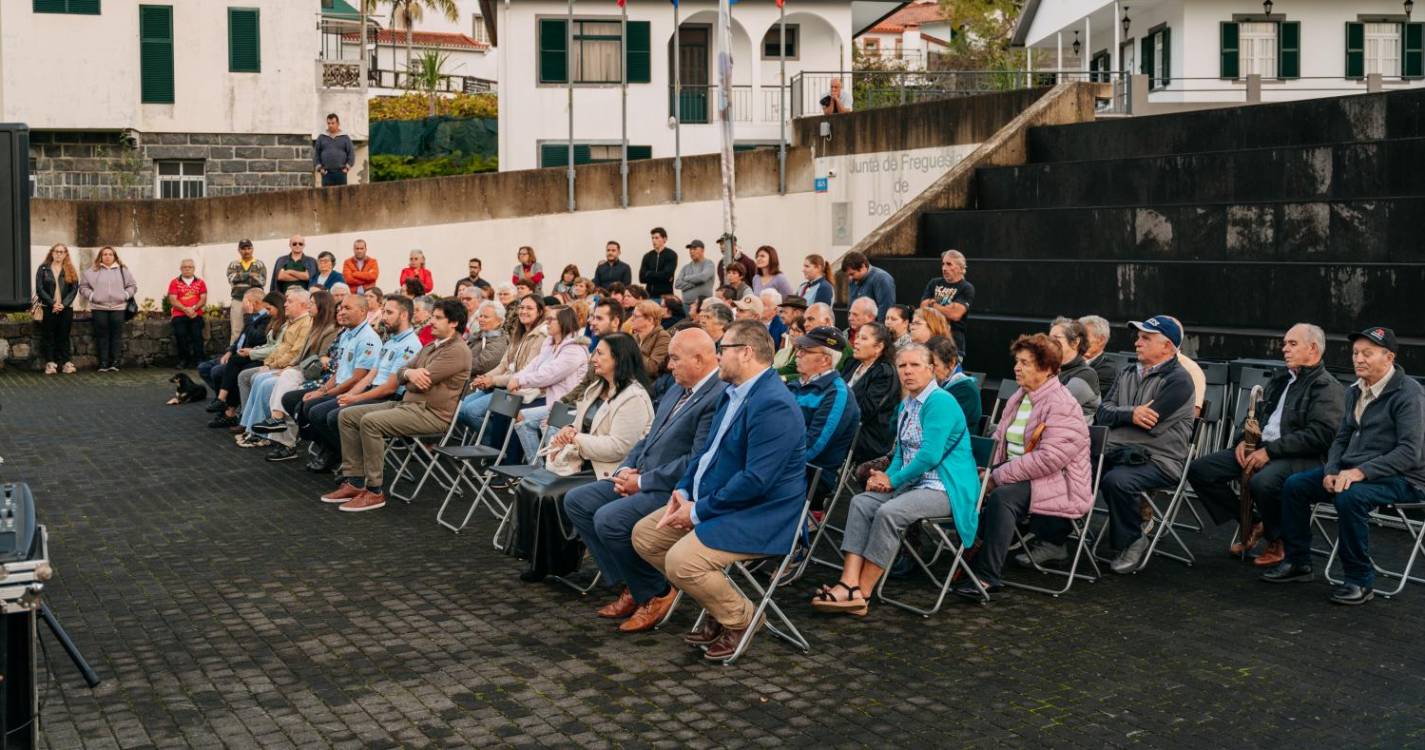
(343, 493)
(282, 453)
(1131, 559)
(253, 441)
(1042, 553)
(223, 420)
(364, 501)
(269, 426)
(216, 406)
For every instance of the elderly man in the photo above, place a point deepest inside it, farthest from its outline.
(740, 497)
(487, 339)
(243, 274)
(861, 312)
(1377, 458)
(360, 271)
(433, 383)
(828, 407)
(771, 304)
(715, 317)
(295, 268)
(605, 512)
(869, 281)
(1098, 331)
(951, 295)
(339, 291)
(187, 296)
(1302, 408)
(695, 279)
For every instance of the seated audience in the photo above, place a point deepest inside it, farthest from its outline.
(898, 320)
(567, 277)
(251, 356)
(374, 300)
(524, 346)
(1074, 372)
(926, 324)
(771, 303)
(862, 311)
(555, 370)
(714, 318)
(339, 291)
(652, 339)
(258, 312)
(931, 475)
(291, 345)
(871, 373)
(318, 412)
(262, 411)
(420, 319)
(486, 339)
(830, 411)
(952, 379)
(750, 308)
(1097, 331)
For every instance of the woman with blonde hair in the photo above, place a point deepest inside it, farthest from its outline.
(926, 324)
(529, 269)
(108, 286)
(56, 284)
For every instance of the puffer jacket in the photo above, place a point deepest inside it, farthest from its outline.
(555, 370)
(107, 287)
(1058, 469)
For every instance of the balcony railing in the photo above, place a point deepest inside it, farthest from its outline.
(699, 103)
(872, 89)
(449, 84)
(339, 74)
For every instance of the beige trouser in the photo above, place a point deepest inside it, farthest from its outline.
(365, 427)
(235, 319)
(695, 569)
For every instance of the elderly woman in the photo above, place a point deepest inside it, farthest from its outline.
(1041, 460)
(1074, 370)
(954, 381)
(931, 474)
(926, 324)
(561, 363)
(416, 269)
(614, 413)
(871, 373)
(524, 345)
(646, 326)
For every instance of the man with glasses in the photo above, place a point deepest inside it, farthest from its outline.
(740, 497)
(295, 269)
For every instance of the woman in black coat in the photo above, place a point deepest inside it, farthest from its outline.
(873, 381)
(56, 284)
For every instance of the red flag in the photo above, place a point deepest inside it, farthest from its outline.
(779, 3)
(621, 2)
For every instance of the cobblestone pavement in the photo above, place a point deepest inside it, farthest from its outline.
(225, 607)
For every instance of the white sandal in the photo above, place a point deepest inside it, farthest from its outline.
(51, 368)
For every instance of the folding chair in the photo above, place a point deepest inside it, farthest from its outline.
(1211, 418)
(978, 377)
(843, 478)
(1007, 387)
(416, 448)
(561, 415)
(474, 462)
(1167, 515)
(984, 449)
(1247, 379)
(1215, 376)
(1098, 438)
(1394, 516)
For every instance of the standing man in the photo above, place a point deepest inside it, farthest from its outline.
(473, 279)
(951, 295)
(187, 295)
(360, 271)
(740, 497)
(1098, 331)
(748, 265)
(1377, 458)
(612, 270)
(333, 153)
(295, 268)
(869, 281)
(1305, 404)
(659, 264)
(695, 280)
(244, 273)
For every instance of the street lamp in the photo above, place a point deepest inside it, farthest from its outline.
(1077, 46)
(1127, 22)
(1409, 8)
(1267, 6)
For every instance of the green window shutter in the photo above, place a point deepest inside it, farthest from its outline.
(84, 7)
(553, 51)
(1230, 66)
(1289, 49)
(640, 152)
(1412, 62)
(244, 41)
(637, 56)
(1355, 50)
(51, 6)
(1145, 60)
(156, 54)
(1165, 68)
(552, 154)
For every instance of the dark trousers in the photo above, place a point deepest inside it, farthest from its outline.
(322, 425)
(333, 177)
(109, 336)
(211, 371)
(605, 522)
(1120, 488)
(1212, 476)
(188, 339)
(1353, 508)
(54, 335)
(231, 370)
(1006, 506)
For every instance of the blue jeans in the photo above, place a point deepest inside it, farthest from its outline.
(473, 408)
(605, 522)
(257, 408)
(211, 372)
(529, 429)
(1353, 508)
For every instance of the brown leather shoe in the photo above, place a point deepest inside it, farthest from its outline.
(619, 608)
(1272, 557)
(341, 494)
(1241, 545)
(724, 647)
(706, 633)
(650, 613)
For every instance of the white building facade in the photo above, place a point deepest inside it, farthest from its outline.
(539, 53)
(908, 38)
(183, 98)
(1202, 51)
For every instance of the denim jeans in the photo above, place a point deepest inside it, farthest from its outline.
(1353, 508)
(257, 408)
(529, 429)
(473, 408)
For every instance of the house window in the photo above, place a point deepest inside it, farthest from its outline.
(180, 179)
(1383, 49)
(556, 153)
(244, 40)
(772, 43)
(478, 32)
(1259, 49)
(84, 7)
(1156, 58)
(598, 54)
(871, 46)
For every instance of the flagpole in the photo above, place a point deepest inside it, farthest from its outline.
(623, 102)
(569, 86)
(782, 103)
(724, 108)
(677, 108)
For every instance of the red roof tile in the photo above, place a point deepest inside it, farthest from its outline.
(422, 39)
(914, 14)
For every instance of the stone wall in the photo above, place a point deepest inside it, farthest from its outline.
(107, 165)
(148, 342)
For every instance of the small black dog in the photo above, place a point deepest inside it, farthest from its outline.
(186, 390)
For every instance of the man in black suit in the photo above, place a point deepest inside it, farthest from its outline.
(606, 511)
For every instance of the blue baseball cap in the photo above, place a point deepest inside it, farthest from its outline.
(1161, 324)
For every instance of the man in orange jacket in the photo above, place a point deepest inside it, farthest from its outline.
(359, 271)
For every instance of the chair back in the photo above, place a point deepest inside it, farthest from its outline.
(984, 450)
(1007, 387)
(506, 404)
(561, 415)
(978, 377)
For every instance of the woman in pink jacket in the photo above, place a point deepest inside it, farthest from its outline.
(1041, 462)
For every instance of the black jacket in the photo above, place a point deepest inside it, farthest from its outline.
(605, 274)
(877, 393)
(1389, 441)
(44, 288)
(254, 333)
(656, 273)
(1107, 373)
(1314, 405)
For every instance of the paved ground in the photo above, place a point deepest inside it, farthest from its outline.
(225, 606)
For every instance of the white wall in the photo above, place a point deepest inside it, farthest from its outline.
(70, 71)
(531, 113)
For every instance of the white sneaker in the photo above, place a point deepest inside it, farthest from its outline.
(1042, 552)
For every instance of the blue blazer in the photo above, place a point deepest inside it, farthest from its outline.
(753, 491)
(662, 455)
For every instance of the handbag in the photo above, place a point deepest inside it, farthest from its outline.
(37, 310)
(311, 367)
(131, 309)
(566, 462)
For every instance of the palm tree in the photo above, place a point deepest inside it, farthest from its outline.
(405, 14)
(428, 70)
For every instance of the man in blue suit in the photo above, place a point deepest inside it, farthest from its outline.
(741, 495)
(605, 512)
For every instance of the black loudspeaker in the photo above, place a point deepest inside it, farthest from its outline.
(15, 274)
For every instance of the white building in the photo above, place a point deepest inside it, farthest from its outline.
(536, 60)
(468, 64)
(1211, 50)
(909, 37)
(183, 98)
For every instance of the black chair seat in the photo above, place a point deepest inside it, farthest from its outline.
(467, 452)
(514, 471)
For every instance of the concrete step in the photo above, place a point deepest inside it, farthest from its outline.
(1357, 231)
(1297, 173)
(1367, 117)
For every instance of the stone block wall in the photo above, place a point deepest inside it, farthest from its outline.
(148, 342)
(107, 165)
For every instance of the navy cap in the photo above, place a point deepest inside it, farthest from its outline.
(826, 336)
(1379, 335)
(1161, 324)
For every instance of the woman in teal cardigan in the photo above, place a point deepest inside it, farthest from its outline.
(931, 474)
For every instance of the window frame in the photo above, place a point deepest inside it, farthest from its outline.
(181, 180)
(45, 6)
(257, 40)
(774, 36)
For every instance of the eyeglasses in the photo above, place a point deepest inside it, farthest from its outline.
(297, 244)
(721, 346)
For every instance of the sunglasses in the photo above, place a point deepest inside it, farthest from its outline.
(297, 244)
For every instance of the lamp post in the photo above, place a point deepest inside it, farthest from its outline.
(1127, 22)
(1267, 6)
(1409, 8)
(1077, 46)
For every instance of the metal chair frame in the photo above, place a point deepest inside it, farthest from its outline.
(414, 448)
(843, 480)
(1098, 438)
(1396, 517)
(1007, 387)
(474, 462)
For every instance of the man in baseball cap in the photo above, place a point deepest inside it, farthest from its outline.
(827, 403)
(1377, 458)
(1164, 325)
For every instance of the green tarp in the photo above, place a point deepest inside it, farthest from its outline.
(435, 136)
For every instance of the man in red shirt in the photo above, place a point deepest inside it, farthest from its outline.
(187, 295)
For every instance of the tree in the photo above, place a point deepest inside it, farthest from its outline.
(982, 33)
(405, 14)
(428, 70)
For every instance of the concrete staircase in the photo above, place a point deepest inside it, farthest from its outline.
(1238, 221)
